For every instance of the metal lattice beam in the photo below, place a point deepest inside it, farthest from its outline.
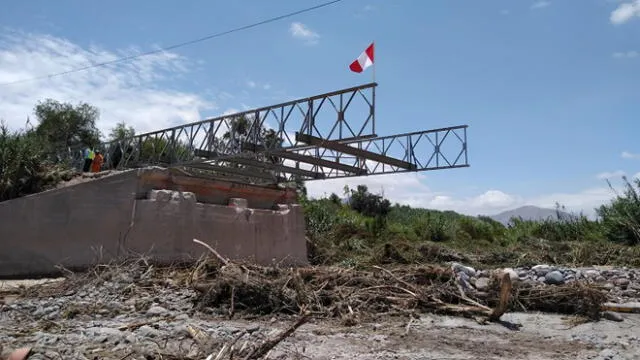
(331, 135)
(436, 149)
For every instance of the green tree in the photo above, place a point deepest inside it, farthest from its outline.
(121, 131)
(63, 125)
(369, 204)
(244, 135)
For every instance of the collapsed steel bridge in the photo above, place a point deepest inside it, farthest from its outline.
(326, 136)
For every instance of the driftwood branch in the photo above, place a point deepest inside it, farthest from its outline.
(263, 349)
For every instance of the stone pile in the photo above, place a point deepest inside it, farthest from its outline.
(621, 284)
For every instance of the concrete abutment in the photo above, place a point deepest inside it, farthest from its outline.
(149, 212)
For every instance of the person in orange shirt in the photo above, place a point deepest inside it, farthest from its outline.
(98, 160)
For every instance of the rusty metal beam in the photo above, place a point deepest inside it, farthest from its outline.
(276, 167)
(232, 171)
(346, 149)
(319, 162)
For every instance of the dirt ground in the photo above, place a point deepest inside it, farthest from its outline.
(439, 337)
(156, 323)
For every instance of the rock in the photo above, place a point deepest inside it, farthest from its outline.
(554, 278)
(148, 331)
(463, 280)
(609, 286)
(591, 274)
(608, 354)
(482, 284)
(182, 317)
(512, 274)
(468, 270)
(578, 274)
(541, 270)
(157, 310)
(613, 316)
(622, 283)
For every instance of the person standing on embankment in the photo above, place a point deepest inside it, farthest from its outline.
(88, 159)
(96, 164)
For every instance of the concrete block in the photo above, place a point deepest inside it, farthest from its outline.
(281, 207)
(160, 195)
(189, 197)
(238, 202)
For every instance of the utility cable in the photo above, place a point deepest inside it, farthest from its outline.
(171, 47)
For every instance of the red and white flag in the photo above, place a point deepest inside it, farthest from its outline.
(364, 60)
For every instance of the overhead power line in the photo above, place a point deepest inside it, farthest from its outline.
(175, 46)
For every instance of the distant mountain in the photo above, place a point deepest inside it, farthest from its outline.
(530, 213)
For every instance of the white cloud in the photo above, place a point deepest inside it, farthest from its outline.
(301, 31)
(368, 8)
(230, 111)
(122, 92)
(626, 55)
(625, 12)
(540, 4)
(255, 85)
(629, 155)
(610, 175)
(364, 11)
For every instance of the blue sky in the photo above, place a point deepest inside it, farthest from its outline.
(548, 88)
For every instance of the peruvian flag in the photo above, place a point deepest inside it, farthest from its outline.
(364, 60)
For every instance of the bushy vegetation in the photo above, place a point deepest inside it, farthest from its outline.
(366, 229)
(33, 160)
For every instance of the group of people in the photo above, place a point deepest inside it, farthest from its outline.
(93, 160)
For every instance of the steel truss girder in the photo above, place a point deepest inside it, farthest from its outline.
(321, 137)
(436, 149)
(339, 115)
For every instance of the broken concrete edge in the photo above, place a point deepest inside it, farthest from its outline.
(165, 195)
(213, 191)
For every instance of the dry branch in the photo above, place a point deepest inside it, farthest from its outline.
(353, 294)
(263, 349)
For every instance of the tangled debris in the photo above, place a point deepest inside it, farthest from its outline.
(350, 294)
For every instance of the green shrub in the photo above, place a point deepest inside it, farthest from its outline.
(23, 166)
(621, 217)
